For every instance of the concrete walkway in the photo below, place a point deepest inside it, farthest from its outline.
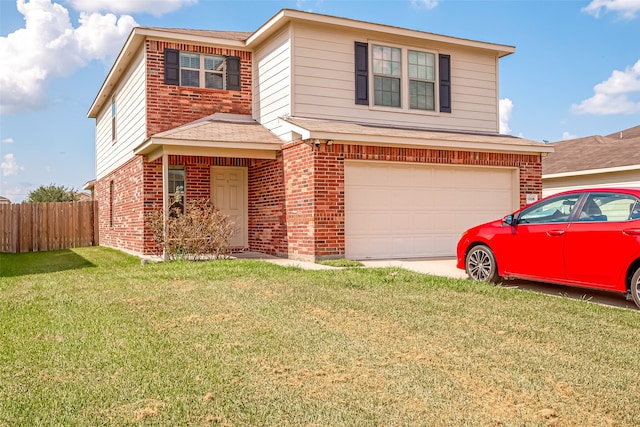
(445, 267)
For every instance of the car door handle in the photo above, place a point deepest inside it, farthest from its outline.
(631, 231)
(555, 233)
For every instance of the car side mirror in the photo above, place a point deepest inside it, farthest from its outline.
(509, 220)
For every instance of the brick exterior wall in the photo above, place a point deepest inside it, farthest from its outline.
(172, 106)
(267, 218)
(138, 191)
(295, 203)
(314, 187)
(121, 217)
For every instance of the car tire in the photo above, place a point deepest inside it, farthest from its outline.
(635, 287)
(480, 264)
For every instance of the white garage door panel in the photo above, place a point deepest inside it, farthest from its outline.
(399, 211)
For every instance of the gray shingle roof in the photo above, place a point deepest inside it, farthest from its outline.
(594, 152)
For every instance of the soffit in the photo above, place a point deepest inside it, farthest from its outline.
(362, 133)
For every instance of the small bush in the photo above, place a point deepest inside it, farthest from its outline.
(200, 231)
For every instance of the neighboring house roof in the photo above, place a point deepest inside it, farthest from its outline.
(249, 40)
(212, 135)
(4, 201)
(619, 151)
(368, 133)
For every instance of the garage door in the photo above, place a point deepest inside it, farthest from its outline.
(406, 210)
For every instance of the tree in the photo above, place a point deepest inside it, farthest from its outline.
(51, 193)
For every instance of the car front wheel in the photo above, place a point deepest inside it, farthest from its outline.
(635, 287)
(480, 264)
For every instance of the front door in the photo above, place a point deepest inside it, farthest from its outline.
(229, 195)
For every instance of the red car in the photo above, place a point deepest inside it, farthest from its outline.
(587, 238)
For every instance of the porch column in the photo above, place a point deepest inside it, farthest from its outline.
(165, 201)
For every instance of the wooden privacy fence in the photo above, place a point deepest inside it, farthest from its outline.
(33, 227)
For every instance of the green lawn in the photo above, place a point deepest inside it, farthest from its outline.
(92, 337)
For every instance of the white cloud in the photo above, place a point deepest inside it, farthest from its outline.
(49, 46)
(426, 4)
(7, 141)
(626, 8)
(153, 7)
(9, 166)
(506, 106)
(568, 135)
(620, 94)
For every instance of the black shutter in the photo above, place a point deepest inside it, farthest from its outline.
(233, 73)
(362, 73)
(444, 62)
(172, 67)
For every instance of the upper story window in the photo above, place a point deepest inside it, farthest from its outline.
(113, 119)
(387, 73)
(422, 80)
(402, 78)
(199, 70)
(202, 70)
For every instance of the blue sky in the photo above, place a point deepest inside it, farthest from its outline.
(575, 73)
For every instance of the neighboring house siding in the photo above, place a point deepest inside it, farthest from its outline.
(630, 178)
(130, 121)
(272, 83)
(172, 106)
(323, 72)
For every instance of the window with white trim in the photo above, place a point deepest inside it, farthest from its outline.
(113, 119)
(177, 189)
(403, 78)
(387, 73)
(205, 71)
(422, 80)
(193, 69)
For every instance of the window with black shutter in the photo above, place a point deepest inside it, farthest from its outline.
(199, 70)
(362, 73)
(444, 64)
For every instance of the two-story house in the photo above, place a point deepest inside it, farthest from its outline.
(321, 137)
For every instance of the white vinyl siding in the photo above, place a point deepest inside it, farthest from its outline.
(323, 72)
(402, 210)
(628, 178)
(130, 120)
(272, 82)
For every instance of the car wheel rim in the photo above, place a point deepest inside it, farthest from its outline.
(479, 265)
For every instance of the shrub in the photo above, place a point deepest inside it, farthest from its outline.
(199, 231)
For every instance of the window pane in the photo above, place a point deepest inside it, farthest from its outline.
(421, 65)
(387, 60)
(421, 95)
(213, 81)
(386, 91)
(609, 207)
(190, 78)
(176, 191)
(189, 60)
(213, 62)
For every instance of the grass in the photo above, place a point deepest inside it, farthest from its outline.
(341, 263)
(91, 337)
